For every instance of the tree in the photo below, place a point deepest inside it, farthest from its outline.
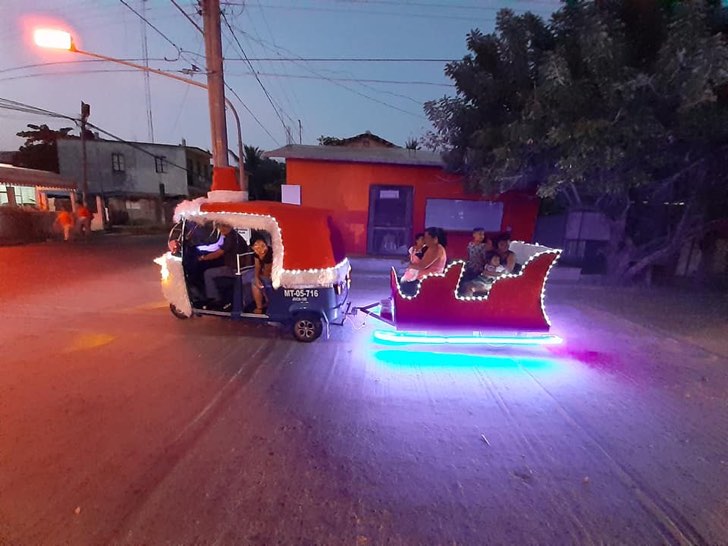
(40, 150)
(412, 144)
(252, 157)
(329, 141)
(587, 110)
(265, 175)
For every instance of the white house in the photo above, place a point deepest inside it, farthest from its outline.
(140, 181)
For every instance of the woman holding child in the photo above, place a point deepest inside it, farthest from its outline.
(432, 261)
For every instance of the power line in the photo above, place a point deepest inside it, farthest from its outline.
(240, 47)
(283, 89)
(252, 114)
(190, 19)
(348, 88)
(344, 59)
(75, 72)
(78, 61)
(27, 108)
(267, 74)
(350, 60)
(357, 80)
(434, 5)
(227, 86)
(71, 73)
(162, 34)
(370, 12)
(421, 4)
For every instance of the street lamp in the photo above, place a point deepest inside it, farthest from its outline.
(60, 39)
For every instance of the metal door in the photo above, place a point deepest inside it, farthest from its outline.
(390, 220)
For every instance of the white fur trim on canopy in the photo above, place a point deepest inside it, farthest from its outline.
(174, 287)
(227, 196)
(294, 278)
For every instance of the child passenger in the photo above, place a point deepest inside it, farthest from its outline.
(263, 255)
(482, 283)
(416, 251)
(477, 248)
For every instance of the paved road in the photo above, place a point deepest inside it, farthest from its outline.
(121, 424)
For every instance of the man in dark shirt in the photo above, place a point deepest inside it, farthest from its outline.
(198, 239)
(233, 245)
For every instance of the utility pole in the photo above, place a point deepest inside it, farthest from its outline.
(215, 81)
(85, 113)
(147, 87)
(300, 132)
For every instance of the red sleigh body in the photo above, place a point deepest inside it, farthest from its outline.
(514, 302)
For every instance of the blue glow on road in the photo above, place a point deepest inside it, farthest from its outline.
(458, 361)
(398, 338)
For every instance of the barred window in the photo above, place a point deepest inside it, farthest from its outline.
(160, 164)
(117, 163)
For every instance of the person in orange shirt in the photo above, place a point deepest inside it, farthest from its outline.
(84, 219)
(65, 221)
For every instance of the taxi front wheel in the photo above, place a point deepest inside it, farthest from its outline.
(307, 327)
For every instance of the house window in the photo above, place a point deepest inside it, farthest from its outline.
(160, 163)
(461, 215)
(117, 163)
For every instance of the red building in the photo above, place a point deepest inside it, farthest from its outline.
(380, 195)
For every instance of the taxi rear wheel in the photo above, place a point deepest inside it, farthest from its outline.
(307, 327)
(177, 313)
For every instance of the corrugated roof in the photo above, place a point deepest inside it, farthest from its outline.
(20, 176)
(392, 156)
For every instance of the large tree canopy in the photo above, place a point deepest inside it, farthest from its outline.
(40, 150)
(615, 106)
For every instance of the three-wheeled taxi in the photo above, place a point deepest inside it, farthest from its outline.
(510, 312)
(310, 276)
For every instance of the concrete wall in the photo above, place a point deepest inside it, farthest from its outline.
(139, 176)
(23, 225)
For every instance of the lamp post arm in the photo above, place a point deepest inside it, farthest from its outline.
(141, 67)
(241, 167)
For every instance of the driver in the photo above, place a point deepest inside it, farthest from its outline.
(198, 239)
(232, 245)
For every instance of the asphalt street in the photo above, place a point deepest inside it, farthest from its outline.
(122, 424)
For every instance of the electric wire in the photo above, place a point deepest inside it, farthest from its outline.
(409, 15)
(265, 91)
(190, 19)
(350, 89)
(284, 90)
(9, 104)
(240, 100)
(148, 22)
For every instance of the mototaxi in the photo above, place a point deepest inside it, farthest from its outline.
(310, 275)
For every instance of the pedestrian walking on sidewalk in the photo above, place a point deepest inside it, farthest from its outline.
(65, 221)
(83, 222)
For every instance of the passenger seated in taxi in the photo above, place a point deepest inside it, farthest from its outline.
(262, 273)
(233, 245)
(433, 261)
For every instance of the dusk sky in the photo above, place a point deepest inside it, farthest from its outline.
(342, 98)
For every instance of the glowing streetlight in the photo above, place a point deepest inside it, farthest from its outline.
(60, 39)
(53, 39)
